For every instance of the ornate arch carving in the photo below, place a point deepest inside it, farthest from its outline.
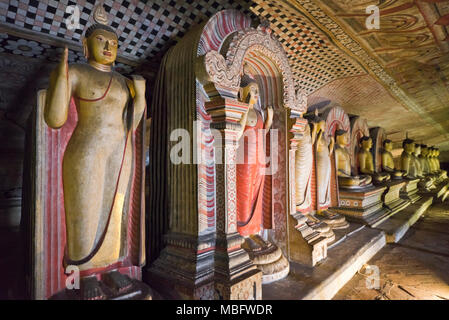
(221, 71)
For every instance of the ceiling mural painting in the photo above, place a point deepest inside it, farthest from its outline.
(408, 54)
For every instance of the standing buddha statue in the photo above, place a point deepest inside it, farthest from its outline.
(303, 182)
(253, 191)
(324, 147)
(97, 167)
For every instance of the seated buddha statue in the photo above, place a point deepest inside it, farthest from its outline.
(366, 163)
(408, 164)
(437, 160)
(424, 160)
(431, 157)
(388, 162)
(426, 182)
(435, 164)
(343, 161)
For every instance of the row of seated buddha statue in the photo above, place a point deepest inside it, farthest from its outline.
(394, 185)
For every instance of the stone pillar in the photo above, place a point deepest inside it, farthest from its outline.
(236, 277)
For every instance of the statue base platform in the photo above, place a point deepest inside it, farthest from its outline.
(396, 227)
(324, 280)
(306, 245)
(135, 290)
(391, 198)
(184, 269)
(363, 205)
(440, 193)
(247, 287)
(270, 260)
(410, 190)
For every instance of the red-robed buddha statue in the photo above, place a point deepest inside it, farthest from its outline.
(254, 185)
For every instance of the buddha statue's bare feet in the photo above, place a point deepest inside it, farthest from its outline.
(117, 282)
(334, 220)
(251, 245)
(261, 242)
(321, 227)
(91, 289)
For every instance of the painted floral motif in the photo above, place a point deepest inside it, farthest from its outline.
(24, 47)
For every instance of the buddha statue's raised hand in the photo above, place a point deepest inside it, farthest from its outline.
(58, 94)
(63, 66)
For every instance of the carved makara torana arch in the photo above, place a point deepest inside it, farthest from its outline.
(199, 80)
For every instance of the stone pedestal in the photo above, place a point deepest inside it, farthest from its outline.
(135, 290)
(440, 193)
(308, 247)
(363, 205)
(410, 190)
(391, 198)
(247, 287)
(185, 268)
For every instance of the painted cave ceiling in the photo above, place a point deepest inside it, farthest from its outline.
(397, 76)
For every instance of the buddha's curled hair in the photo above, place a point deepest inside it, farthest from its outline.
(97, 26)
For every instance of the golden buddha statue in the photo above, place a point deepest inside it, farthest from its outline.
(388, 162)
(426, 181)
(366, 163)
(343, 161)
(438, 164)
(424, 160)
(98, 161)
(435, 164)
(408, 164)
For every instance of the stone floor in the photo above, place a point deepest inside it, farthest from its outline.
(416, 268)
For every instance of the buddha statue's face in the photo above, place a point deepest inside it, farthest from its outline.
(388, 146)
(250, 94)
(102, 46)
(343, 139)
(425, 152)
(409, 147)
(367, 144)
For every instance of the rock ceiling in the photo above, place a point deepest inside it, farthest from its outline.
(397, 77)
